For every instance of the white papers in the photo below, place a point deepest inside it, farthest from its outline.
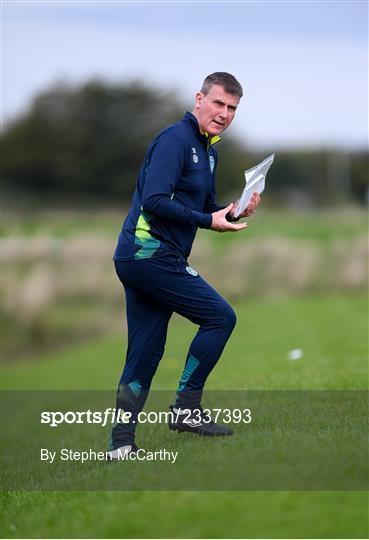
(255, 181)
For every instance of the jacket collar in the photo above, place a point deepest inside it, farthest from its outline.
(203, 137)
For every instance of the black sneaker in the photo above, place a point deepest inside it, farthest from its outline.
(196, 421)
(122, 452)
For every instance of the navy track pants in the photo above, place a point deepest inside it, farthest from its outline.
(155, 288)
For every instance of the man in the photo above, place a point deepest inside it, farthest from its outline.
(175, 194)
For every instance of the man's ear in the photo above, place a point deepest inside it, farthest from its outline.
(198, 99)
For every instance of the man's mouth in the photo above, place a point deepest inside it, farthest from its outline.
(218, 123)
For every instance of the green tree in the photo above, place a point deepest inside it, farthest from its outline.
(87, 140)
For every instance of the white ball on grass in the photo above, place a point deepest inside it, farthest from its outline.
(295, 354)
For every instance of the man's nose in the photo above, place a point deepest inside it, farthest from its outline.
(224, 113)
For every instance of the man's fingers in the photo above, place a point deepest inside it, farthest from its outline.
(221, 224)
(255, 199)
(251, 208)
(228, 209)
(238, 226)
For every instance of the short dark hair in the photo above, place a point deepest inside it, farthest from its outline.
(229, 83)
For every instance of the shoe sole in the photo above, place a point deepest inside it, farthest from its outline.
(200, 434)
(120, 453)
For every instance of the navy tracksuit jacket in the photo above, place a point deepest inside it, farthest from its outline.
(175, 194)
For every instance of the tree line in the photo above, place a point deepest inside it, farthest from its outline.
(88, 141)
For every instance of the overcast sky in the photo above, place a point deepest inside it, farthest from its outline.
(303, 65)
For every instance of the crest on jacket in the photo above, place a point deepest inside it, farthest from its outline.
(211, 163)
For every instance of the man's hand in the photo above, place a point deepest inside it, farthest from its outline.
(251, 208)
(220, 224)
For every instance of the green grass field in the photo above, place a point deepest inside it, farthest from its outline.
(332, 331)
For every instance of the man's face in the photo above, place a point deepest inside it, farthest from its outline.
(216, 110)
